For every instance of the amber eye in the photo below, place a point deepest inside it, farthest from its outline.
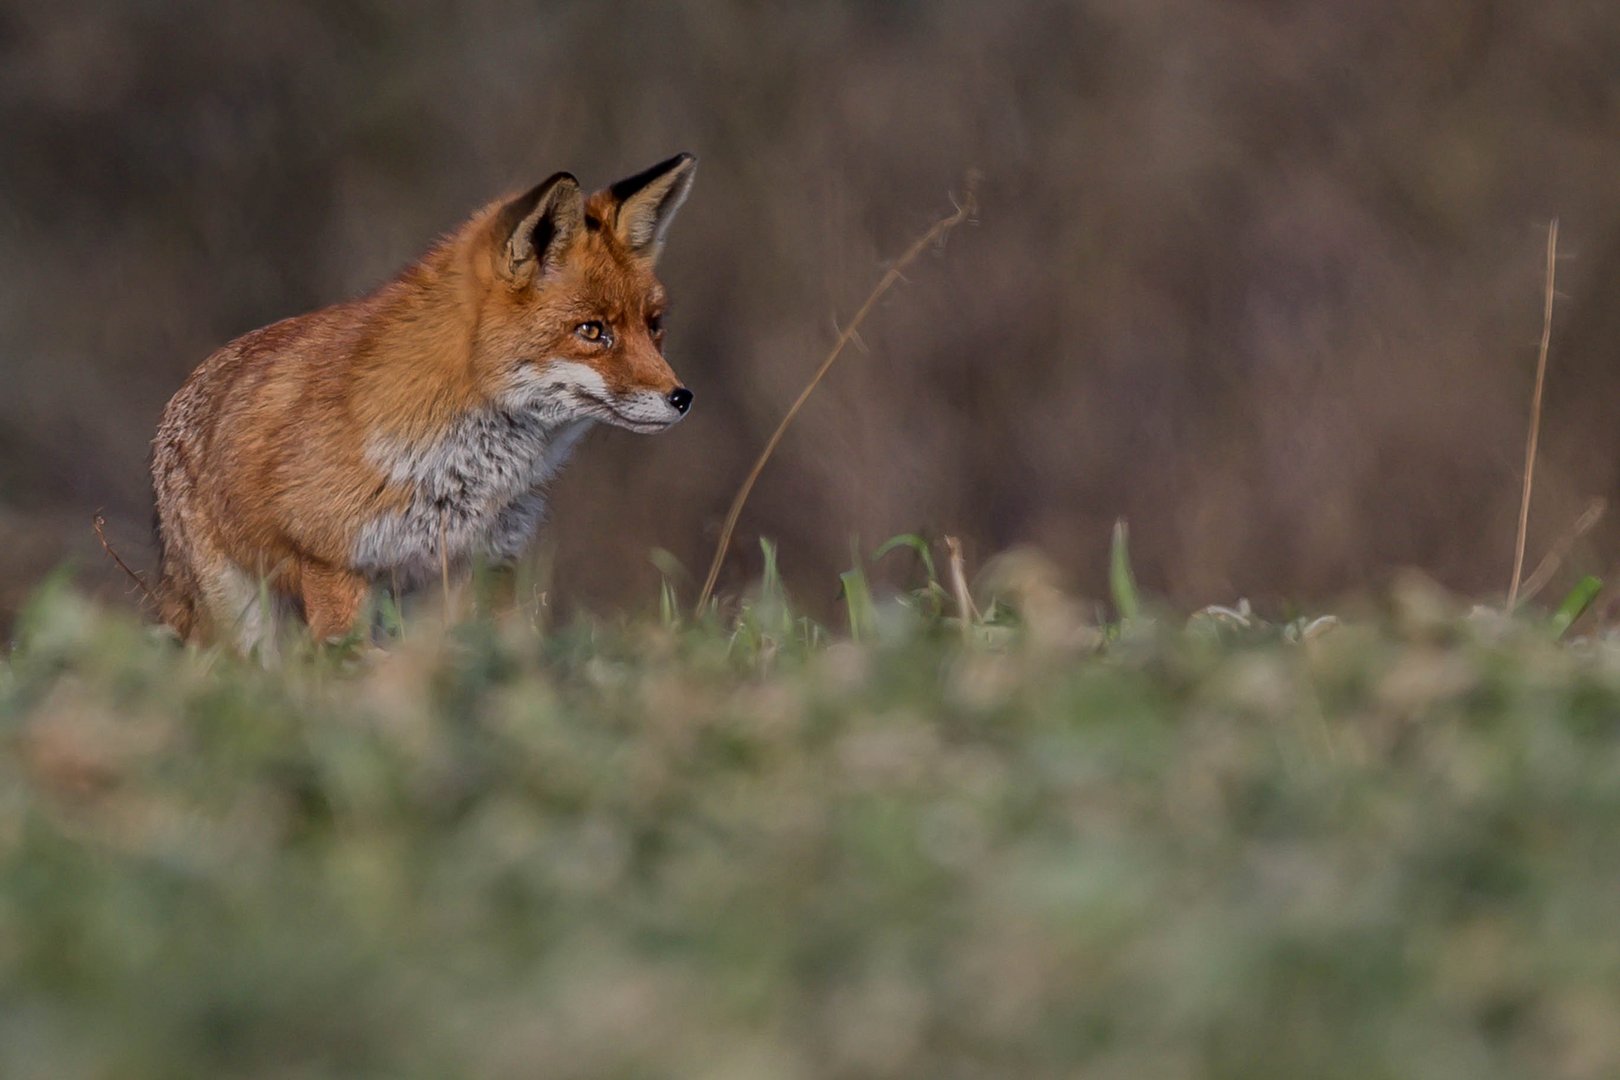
(592, 331)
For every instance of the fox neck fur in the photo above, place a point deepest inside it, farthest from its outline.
(470, 458)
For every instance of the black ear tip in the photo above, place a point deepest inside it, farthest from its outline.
(632, 184)
(681, 162)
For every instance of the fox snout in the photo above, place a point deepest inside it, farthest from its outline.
(648, 411)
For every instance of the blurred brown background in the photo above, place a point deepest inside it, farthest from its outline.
(1263, 277)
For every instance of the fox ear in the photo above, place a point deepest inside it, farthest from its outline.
(646, 203)
(534, 229)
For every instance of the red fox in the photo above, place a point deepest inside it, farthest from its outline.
(382, 439)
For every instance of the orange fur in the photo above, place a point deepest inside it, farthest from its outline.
(307, 454)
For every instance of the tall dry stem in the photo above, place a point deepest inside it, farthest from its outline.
(964, 210)
(1535, 417)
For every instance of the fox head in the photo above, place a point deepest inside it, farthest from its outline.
(572, 321)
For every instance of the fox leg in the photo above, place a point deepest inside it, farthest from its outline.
(333, 598)
(204, 596)
(176, 598)
(241, 607)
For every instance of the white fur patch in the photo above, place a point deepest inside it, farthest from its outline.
(478, 488)
(250, 614)
(555, 388)
(646, 409)
(569, 388)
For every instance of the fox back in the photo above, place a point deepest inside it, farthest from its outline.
(412, 431)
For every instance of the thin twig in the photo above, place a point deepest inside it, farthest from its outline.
(99, 523)
(1555, 555)
(1535, 417)
(963, 211)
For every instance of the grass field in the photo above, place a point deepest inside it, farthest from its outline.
(754, 848)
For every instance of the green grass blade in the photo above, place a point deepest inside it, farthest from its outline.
(1575, 604)
(668, 613)
(1121, 582)
(770, 582)
(669, 571)
(857, 593)
(668, 565)
(916, 543)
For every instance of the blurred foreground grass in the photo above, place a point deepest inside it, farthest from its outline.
(645, 850)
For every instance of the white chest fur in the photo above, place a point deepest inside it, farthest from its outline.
(477, 491)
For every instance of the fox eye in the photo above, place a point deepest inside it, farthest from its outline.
(655, 325)
(592, 331)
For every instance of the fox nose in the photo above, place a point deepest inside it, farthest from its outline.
(681, 398)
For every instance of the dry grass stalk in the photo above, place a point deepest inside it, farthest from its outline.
(1535, 417)
(964, 599)
(936, 233)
